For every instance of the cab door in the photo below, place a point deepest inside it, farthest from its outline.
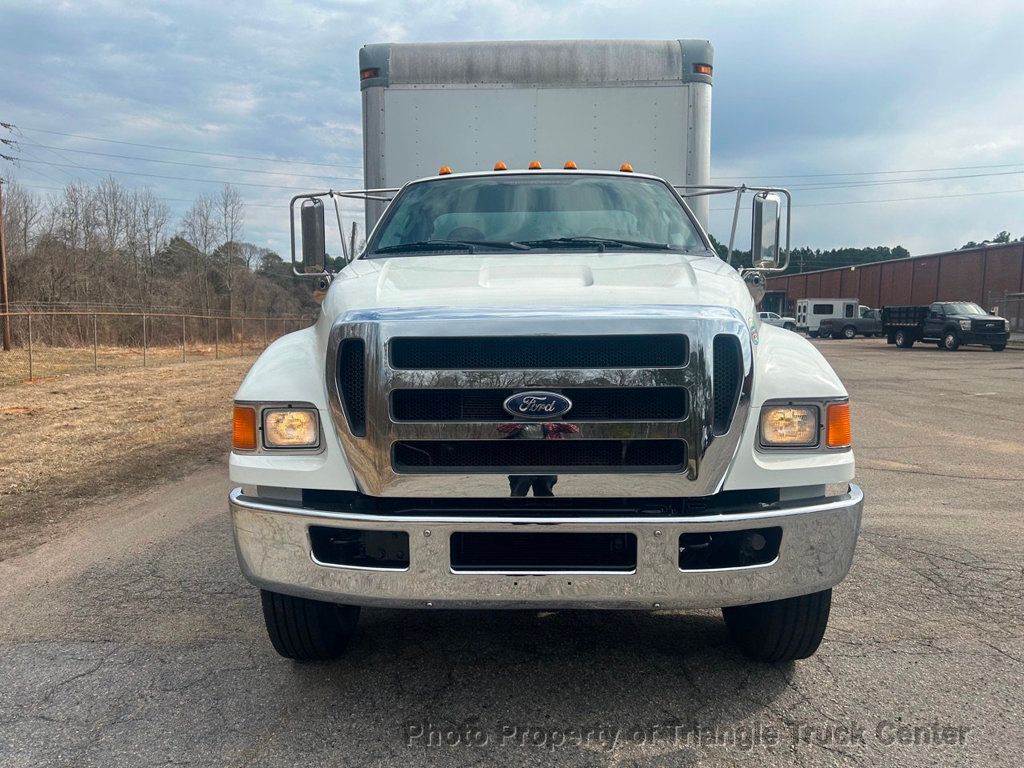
(934, 322)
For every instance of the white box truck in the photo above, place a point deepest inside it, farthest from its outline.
(810, 313)
(537, 385)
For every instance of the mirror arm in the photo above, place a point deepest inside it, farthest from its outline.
(735, 218)
(341, 232)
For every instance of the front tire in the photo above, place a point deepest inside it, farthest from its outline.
(782, 630)
(950, 341)
(813, 334)
(307, 630)
(904, 340)
(849, 332)
(998, 347)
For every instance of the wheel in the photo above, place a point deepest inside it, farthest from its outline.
(849, 331)
(307, 630)
(825, 333)
(782, 630)
(950, 341)
(789, 327)
(904, 340)
(998, 347)
(813, 334)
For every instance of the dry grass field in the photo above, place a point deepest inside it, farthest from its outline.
(50, 361)
(71, 440)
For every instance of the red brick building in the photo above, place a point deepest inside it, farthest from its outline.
(983, 275)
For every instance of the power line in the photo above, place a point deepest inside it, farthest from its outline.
(278, 207)
(816, 186)
(191, 165)
(343, 165)
(46, 175)
(192, 151)
(894, 199)
(812, 185)
(872, 173)
(169, 178)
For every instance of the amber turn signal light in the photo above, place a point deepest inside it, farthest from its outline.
(838, 430)
(243, 436)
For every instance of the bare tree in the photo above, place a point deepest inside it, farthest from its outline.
(231, 218)
(112, 204)
(199, 225)
(22, 212)
(106, 243)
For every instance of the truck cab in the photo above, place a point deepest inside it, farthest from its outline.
(542, 389)
(868, 323)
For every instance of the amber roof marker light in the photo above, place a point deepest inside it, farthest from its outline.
(625, 168)
(570, 165)
(444, 170)
(369, 74)
(534, 165)
(500, 166)
(702, 69)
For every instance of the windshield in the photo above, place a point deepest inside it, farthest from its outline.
(964, 308)
(547, 212)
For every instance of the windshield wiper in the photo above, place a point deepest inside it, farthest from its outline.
(446, 245)
(600, 242)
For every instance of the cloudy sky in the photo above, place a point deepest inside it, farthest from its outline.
(931, 89)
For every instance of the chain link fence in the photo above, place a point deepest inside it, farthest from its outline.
(48, 343)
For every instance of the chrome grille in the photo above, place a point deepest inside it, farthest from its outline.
(658, 430)
(588, 404)
(516, 352)
(513, 456)
(352, 382)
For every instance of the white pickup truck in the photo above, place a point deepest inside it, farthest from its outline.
(540, 388)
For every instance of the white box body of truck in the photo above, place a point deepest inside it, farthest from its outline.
(810, 312)
(599, 103)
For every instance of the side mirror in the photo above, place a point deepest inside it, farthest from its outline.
(764, 236)
(314, 237)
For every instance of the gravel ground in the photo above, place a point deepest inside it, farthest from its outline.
(133, 640)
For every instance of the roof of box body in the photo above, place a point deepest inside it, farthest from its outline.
(535, 63)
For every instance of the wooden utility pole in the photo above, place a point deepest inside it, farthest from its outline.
(4, 302)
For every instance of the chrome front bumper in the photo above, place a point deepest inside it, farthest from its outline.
(817, 547)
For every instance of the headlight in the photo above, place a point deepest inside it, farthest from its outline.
(965, 325)
(290, 428)
(789, 426)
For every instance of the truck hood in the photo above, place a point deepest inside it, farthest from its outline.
(548, 279)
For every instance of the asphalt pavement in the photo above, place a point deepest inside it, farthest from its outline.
(134, 640)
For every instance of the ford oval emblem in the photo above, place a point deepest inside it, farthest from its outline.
(538, 405)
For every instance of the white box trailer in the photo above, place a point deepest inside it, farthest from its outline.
(810, 312)
(599, 103)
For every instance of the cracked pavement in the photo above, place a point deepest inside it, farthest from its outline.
(134, 640)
